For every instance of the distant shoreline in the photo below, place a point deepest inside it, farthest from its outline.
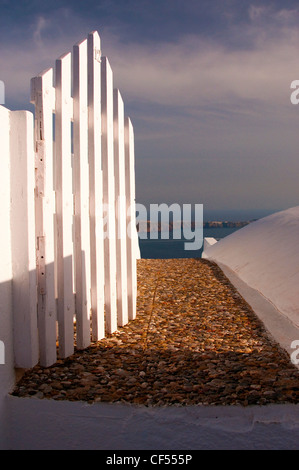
(221, 224)
(209, 224)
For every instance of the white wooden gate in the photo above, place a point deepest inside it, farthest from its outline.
(84, 200)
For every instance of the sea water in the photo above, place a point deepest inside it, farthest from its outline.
(172, 248)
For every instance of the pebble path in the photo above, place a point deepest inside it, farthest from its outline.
(195, 341)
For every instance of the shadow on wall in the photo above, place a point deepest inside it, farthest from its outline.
(27, 337)
(7, 371)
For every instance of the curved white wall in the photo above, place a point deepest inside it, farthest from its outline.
(265, 255)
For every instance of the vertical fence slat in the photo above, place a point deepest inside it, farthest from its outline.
(64, 207)
(84, 253)
(82, 232)
(132, 240)
(108, 196)
(24, 293)
(43, 97)
(120, 209)
(96, 187)
(6, 307)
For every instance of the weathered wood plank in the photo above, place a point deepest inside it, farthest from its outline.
(108, 196)
(6, 307)
(132, 240)
(22, 223)
(84, 253)
(64, 207)
(82, 231)
(95, 186)
(43, 96)
(120, 213)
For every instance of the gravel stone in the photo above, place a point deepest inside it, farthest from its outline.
(195, 341)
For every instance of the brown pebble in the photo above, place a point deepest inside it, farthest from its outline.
(194, 341)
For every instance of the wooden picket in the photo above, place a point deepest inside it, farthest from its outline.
(42, 94)
(64, 206)
(71, 197)
(96, 187)
(109, 197)
(84, 201)
(20, 160)
(81, 173)
(120, 206)
(132, 237)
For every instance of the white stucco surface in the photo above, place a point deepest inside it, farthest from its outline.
(265, 255)
(6, 321)
(262, 261)
(48, 424)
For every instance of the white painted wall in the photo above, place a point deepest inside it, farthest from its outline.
(23, 249)
(7, 369)
(265, 255)
(208, 241)
(264, 252)
(18, 319)
(54, 425)
(36, 249)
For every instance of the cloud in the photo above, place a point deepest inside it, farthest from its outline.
(212, 115)
(43, 40)
(256, 12)
(193, 71)
(40, 27)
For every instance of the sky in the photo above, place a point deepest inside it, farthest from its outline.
(206, 84)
